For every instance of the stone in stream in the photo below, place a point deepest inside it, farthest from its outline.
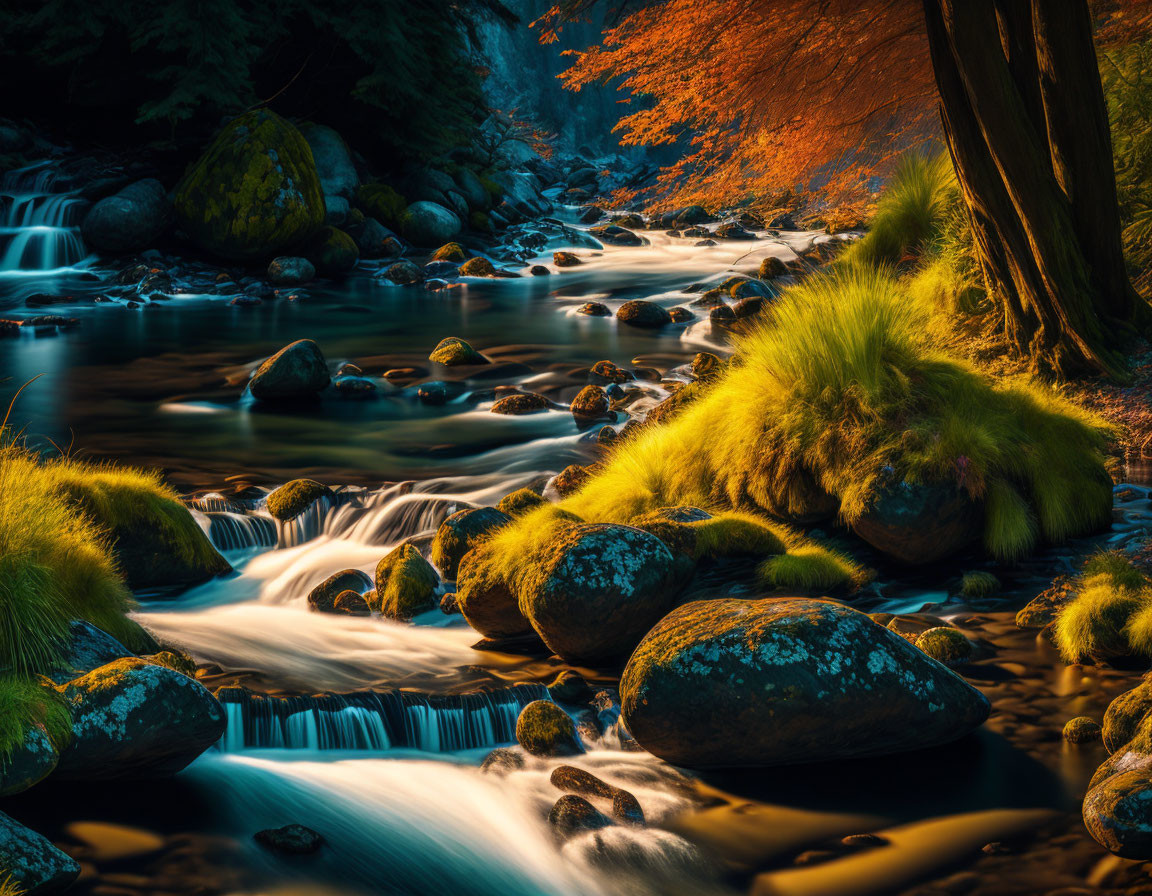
(297, 371)
(706, 366)
(293, 498)
(332, 251)
(130, 220)
(290, 270)
(544, 729)
(722, 314)
(946, 645)
(538, 270)
(88, 648)
(253, 192)
(566, 259)
(406, 583)
(34, 866)
(771, 268)
(322, 598)
(734, 231)
(574, 815)
(452, 252)
(454, 352)
(351, 603)
(570, 687)
(520, 502)
(776, 682)
(570, 480)
(404, 273)
(485, 598)
(131, 718)
(1126, 715)
(605, 372)
(680, 315)
(590, 404)
(477, 267)
(520, 404)
(1081, 730)
(461, 532)
(292, 839)
(644, 314)
(614, 235)
(595, 589)
(502, 760)
(594, 309)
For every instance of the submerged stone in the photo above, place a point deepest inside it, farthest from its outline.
(774, 682)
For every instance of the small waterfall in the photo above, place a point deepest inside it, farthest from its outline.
(308, 525)
(39, 221)
(229, 531)
(374, 720)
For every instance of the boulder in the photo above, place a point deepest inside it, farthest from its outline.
(570, 480)
(642, 313)
(454, 352)
(131, 718)
(595, 589)
(595, 309)
(566, 259)
(333, 162)
(323, 597)
(575, 815)
(919, 523)
(591, 403)
(1127, 715)
(521, 501)
(477, 267)
(452, 252)
(1081, 730)
(88, 648)
(290, 270)
(485, 598)
(544, 729)
(129, 221)
(351, 603)
(332, 251)
(1118, 810)
(520, 404)
(460, 533)
(297, 371)
(736, 682)
(429, 224)
(406, 584)
(294, 497)
(374, 240)
(405, 273)
(771, 268)
(946, 645)
(616, 236)
(29, 763)
(605, 372)
(35, 866)
(253, 192)
(474, 192)
(292, 839)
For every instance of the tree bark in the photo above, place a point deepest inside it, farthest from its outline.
(1056, 283)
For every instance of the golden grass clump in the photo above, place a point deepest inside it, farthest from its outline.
(1111, 616)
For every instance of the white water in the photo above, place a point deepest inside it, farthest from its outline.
(40, 224)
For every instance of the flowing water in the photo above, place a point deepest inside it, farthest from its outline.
(372, 731)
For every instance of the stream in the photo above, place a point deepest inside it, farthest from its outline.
(387, 767)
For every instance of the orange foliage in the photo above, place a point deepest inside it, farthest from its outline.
(772, 96)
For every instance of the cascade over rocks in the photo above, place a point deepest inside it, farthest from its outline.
(776, 682)
(254, 191)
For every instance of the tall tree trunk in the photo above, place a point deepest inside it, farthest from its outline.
(1012, 80)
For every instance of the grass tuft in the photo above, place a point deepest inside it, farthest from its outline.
(810, 567)
(25, 702)
(979, 584)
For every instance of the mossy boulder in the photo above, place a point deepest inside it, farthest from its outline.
(254, 191)
(290, 270)
(477, 267)
(427, 223)
(590, 404)
(1081, 730)
(132, 718)
(323, 597)
(332, 251)
(88, 648)
(293, 498)
(644, 314)
(946, 645)
(454, 352)
(453, 252)
(566, 260)
(571, 479)
(615, 235)
(296, 372)
(351, 603)
(775, 682)
(460, 533)
(485, 598)
(544, 729)
(521, 403)
(381, 202)
(520, 502)
(604, 373)
(771, 268)
(406, 584)
(32, 865)
(593, 590)
(1127, 715)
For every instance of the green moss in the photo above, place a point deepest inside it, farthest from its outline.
(520, 501)
(735, 534)
(979, 584)
(454, 352)
(461, 532)
(293, 498)
(28, 702)
(945, 645)
(1082, 730)
(544, 729)
(405, 584)
(811, 567)
(332, 251)
(254, 191)
(477, 267)
(177, 661)
(383, 203)
(453, 252)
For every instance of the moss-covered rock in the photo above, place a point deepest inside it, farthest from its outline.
(332, 251)
(296, 372)
(383, 203)
(520, 502)
(590, 404)
(460, 533)
(289, 270)
(644, 314)
(603, 373)
(132, 718)
(544, 729)
(570, 480)
(485, 598)
(1081, 730)
(769, 682)
(454, 352)
(294, 497)
(591, 591)
(323, 597)
(453, 252)
(771, 268)
(176, 660)
(477, 267)
(566, 259)
(946, 645)
(253, 192)
(1127, 715)
(406, 584)
(521, 403)
(352, 603)
(706, 366)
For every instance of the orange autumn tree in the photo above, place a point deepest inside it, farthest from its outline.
(770, 94)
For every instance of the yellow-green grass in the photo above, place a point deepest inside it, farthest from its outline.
(9, 885)
(25, 702)
(1111, 615)
(979, 584)
(56, 564)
